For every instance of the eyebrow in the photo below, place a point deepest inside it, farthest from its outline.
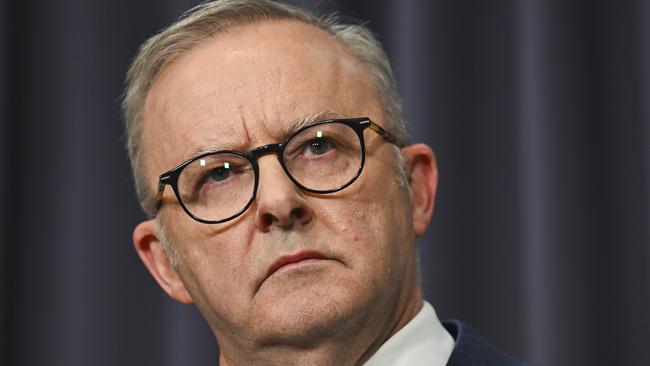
(308, 120)
(211, 148)
(291, 128)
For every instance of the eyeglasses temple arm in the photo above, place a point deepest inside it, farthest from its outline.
(157, 203)
(385, 134)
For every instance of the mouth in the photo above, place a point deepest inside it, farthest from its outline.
(294, 259)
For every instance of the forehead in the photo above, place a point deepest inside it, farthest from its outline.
(243, 87)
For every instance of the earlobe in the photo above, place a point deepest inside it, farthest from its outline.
(146, 239)
(422, 171)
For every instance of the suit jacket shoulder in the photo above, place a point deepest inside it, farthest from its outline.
(472, 350)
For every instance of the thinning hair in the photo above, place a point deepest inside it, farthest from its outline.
(213, 17)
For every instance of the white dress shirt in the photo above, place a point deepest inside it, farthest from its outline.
(422, 341)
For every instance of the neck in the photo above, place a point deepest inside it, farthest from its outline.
(352, 347)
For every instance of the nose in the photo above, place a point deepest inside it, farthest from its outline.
(280, 203)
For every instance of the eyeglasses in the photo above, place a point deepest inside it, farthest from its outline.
(322, 158)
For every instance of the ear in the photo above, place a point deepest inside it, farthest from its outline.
(422, 171)
(147, 244)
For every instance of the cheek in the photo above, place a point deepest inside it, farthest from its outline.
(348, 221)
(370, 231)
(214, 269)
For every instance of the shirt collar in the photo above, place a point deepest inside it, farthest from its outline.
(422, 341)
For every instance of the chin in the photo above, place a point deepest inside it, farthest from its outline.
(306, 308)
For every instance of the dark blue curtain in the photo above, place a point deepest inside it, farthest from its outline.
(539, 112)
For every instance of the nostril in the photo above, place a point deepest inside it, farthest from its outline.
(268, 219)
(298, 213)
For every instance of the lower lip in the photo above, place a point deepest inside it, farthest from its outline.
(300, 263)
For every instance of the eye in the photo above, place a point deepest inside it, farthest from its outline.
(219, 174)
(320, 147)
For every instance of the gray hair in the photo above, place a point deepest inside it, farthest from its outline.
(213, 17)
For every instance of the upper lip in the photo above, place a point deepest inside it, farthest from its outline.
(293, 258)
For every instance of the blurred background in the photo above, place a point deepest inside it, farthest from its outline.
(538, 110)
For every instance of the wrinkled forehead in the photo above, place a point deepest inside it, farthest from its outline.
(248, 86)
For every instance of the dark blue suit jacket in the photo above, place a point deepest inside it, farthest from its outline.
(472, 350)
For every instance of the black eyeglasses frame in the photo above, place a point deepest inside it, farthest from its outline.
(359, 125)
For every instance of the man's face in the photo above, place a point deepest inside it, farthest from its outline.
(242, 89)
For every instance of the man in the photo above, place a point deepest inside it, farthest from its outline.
(270, 152)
